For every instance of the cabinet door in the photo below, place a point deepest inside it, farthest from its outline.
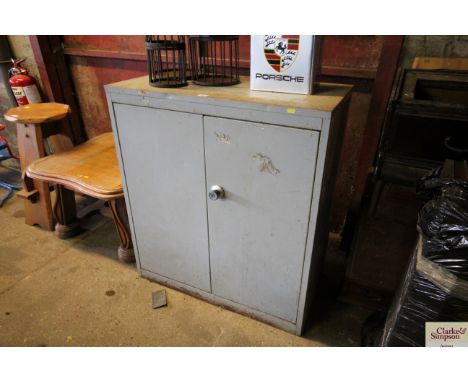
(258, 231)
(164, 165)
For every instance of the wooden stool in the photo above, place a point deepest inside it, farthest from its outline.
(32, 127)
(91, 169)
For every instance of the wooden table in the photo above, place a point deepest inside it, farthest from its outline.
(91, 169)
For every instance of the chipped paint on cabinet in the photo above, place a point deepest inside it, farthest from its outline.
(258, 231)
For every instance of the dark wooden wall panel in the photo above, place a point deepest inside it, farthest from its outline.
(96, 61)
(57, 82)
(348, 165)
(353, 60)
(90, 74)
(351, 56)
(113, 43)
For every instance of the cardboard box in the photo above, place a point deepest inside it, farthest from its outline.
(284, 63)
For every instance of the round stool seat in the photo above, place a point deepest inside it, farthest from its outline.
(37, 113)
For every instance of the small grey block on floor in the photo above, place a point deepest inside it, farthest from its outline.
(159, 299)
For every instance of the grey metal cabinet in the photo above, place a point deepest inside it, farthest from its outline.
(255, 246)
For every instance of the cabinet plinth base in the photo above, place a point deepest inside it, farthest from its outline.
(276, 322)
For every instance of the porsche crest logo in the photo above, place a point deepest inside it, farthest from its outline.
(281, 50)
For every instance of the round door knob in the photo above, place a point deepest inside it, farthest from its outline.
(216, 192)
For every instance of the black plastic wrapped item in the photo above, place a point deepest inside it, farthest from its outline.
(430, 293)
(435, 288)
(444, 219)
(432, 185)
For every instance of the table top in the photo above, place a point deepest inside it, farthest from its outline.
(90, 168)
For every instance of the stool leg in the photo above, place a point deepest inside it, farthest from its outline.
(31, 148)
(65, 213)
(119, 212)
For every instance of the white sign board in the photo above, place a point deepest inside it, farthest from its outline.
(283, 63)
(447, 334)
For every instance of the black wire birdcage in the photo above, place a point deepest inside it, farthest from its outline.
(214, 60)
(167, 61)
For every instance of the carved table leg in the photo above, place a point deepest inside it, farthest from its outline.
(65, 213)
(119, 212)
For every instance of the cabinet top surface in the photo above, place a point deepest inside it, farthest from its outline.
(328, 97)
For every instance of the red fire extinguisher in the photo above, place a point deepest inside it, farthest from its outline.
(22, 84)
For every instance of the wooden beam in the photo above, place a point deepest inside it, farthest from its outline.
(135, 56)
(57, 84)
(352, 72)
(383, 84)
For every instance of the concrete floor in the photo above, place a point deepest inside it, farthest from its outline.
(74, 293)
